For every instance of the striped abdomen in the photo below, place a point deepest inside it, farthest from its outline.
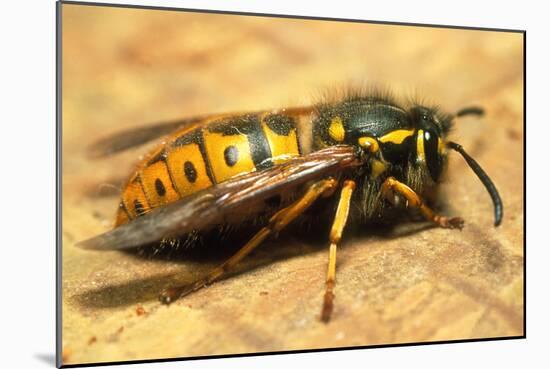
(200, 156)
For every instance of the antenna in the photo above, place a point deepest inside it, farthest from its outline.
(483, 177)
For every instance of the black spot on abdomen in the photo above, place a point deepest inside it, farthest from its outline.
(231, 155)
(159, 186)
(190, 171)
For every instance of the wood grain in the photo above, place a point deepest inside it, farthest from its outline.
(125, 67)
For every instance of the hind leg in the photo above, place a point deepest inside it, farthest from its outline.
(277, 222)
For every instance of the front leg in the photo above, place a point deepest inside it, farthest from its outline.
(392, 186)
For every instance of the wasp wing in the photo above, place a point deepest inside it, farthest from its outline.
(137, 136)
(140, 135)
(215, 205)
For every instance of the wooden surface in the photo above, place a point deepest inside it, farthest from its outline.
(124, 67)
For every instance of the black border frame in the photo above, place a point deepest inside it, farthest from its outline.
(58, 231)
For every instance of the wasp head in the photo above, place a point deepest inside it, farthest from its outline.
(430, 130)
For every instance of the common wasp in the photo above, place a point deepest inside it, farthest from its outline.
(362, 156)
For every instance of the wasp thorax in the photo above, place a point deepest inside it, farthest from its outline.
(349, 121)
(395, 136)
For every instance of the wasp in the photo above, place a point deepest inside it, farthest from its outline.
(360, 155)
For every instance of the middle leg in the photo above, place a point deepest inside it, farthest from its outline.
(338, 225)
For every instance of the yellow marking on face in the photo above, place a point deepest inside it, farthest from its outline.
(158, 185)
(183, 162)
(134, 199)
(377, 168)
(420, 154)
(369, 143)
(440, 145)
(282, 147)
(336, 129)
(228, 155)
(397, 136)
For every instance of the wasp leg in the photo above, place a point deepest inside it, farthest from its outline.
(392, 185)
(338, 225)
(277, 222)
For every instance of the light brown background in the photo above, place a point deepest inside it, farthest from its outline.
(127, 67)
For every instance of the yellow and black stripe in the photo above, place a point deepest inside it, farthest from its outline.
(197, 158)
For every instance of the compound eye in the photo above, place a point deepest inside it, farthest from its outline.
(433, 157)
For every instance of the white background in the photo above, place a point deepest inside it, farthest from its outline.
(27, 185)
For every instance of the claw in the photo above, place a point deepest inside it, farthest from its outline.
(456, 222)
(168, 296)
(452, 223)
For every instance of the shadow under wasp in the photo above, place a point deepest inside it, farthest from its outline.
(212, 172)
